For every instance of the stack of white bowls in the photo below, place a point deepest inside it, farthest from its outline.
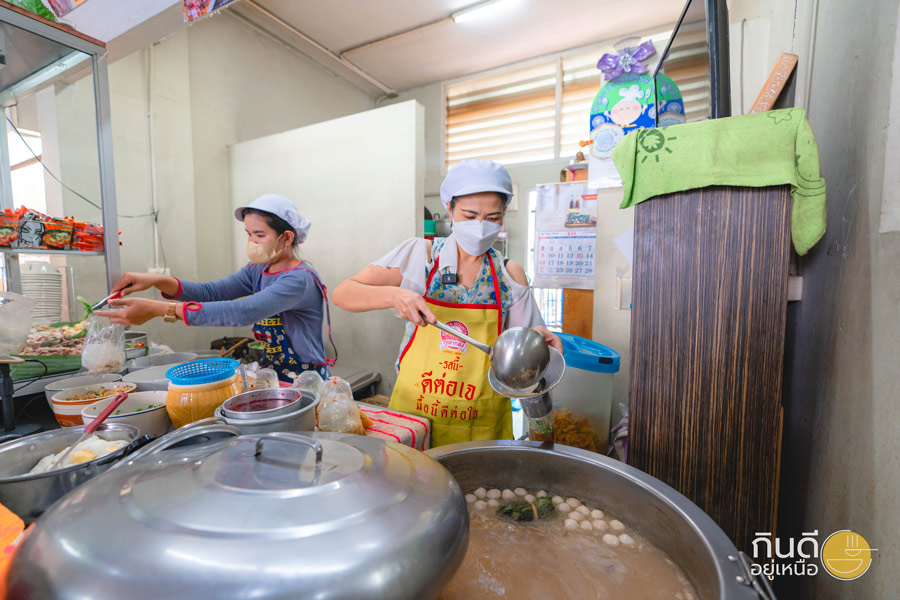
(43, 283)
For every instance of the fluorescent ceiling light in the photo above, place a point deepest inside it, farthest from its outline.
(482, 10)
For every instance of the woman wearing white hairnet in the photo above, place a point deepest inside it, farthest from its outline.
(279, 294)
(465, 283)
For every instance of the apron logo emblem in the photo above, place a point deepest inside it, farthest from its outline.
(448, 342)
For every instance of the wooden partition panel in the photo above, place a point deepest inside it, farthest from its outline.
(707, 345)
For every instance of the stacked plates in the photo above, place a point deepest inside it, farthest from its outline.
(43, 283)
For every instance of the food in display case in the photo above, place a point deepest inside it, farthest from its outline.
(59, 339)
(537, 544)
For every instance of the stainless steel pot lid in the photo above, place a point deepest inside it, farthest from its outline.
(267, 485)
(264, 516)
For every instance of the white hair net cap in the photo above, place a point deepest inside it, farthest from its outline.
(474, 176)
(282, 207)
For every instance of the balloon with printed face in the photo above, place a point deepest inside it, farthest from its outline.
(628, 102)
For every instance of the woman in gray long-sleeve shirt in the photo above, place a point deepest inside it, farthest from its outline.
(280, 295)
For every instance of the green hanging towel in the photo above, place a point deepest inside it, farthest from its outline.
(757, 150)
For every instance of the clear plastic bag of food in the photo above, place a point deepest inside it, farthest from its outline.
(337, 410)
(308, 380)
(104, 346)
(15, 322)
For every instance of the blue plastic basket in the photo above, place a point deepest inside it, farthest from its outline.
(198, 372)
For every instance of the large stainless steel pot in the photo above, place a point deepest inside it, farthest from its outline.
(278, 515)
(665, 517)
(30, 495)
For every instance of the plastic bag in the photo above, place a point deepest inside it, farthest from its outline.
(15, 322)
(104, 346)
(337, 411)
(308, 380)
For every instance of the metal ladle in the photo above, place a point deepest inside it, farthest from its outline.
(519, 357)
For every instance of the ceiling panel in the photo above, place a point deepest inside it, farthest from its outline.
(342, 24)
(515, 30)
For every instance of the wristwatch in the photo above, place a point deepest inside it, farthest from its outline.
(170, 317)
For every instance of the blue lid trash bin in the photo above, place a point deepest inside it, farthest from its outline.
(583, 399)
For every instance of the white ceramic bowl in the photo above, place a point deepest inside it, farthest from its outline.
(72, 382)
(158, 360)
(144, 410)
(150, 379)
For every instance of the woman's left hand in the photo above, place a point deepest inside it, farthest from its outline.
(134, 311)
(551, 338)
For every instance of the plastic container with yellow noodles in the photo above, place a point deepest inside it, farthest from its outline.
(198, 388)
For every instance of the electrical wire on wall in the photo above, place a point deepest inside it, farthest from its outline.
(60, 182)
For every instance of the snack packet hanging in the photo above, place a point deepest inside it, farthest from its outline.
(87, 237)
(57, 234)
(31, 229)
(9, 226)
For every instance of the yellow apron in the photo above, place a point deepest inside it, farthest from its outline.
(443, 378)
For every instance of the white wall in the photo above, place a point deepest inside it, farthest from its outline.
(360, 184)
(216, 83)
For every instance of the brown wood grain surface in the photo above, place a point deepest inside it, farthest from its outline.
(578, 312)
(707, 346)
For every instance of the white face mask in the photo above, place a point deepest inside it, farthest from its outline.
(475, 237)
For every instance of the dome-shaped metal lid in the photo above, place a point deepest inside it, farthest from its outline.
(344, 515)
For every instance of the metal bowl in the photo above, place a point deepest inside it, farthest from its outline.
(261, 404)
(669, 520)
(301, 415)
(30, 495)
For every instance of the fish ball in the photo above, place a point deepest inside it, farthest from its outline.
(586, 525)
(541, 494)
(493, 493)
(507, 495)
(521, 492)
(616, 525)
(493, 502)
(626, 539)
(470, 498)
(480, 505)
(596, 514)
(610, 540)
(563, 508)
(576, 515)
(600, 525)
(530, 499)
(571, 524)
(557, 500)
(480, 493)
(573, 502)
(584, 510)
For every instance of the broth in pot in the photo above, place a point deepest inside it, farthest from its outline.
(534, 544)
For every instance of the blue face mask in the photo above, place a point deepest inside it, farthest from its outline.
(475, 237)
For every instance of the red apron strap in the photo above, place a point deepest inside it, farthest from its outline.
(330, 361)
(496, 293)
